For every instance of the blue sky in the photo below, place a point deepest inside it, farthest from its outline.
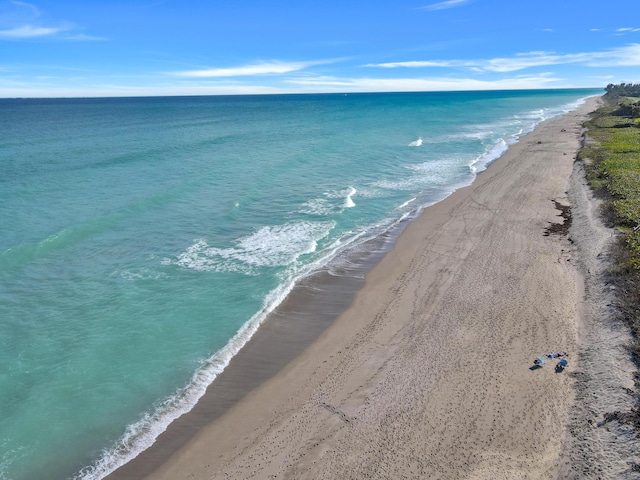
(70, 48)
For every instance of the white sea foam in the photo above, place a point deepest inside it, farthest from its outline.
(318, 206)
(476, 134)
(8, 457)
(348, 201)
(407, 203)
(370, 191)
(431, 173)
(481, 162)
(416, 143)
(525, 122)
(142, 274)
(345, 195)
(325, 206)
(402, 185)
(270, 246)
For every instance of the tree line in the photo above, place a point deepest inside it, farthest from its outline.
(623, 90)
(625, 95)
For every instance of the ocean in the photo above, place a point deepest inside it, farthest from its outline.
(144, 240)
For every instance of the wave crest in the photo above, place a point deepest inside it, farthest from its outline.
(270, 246)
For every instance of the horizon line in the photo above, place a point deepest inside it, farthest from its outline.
(261, 94)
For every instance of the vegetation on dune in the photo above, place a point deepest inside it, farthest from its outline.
(611, 155)
(622, 90)
(612, 159)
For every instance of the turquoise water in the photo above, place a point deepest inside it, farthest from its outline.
(142, 240)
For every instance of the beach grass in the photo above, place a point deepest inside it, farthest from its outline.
(612, 158)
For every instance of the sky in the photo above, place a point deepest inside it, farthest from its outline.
(94, 48)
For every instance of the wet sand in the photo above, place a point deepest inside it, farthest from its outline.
(427, 373)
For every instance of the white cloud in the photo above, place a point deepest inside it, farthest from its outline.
(28, 31)
(622, 56)
(116, 90)
(29, 6)
(255, 69)
(445, 5)
(526, 60)
(22, 20)
(51, 86)
(82, 37)
(506, 64)
(625, 30)
(335, 84)
(262, 68)
(627, 56)
(424, 64)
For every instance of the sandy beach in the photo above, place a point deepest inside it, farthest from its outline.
(427, 374)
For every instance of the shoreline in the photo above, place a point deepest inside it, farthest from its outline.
(359, 380)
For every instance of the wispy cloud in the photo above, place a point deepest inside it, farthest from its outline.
(105, 85)
(444, 5)
(29, 31)
(527, 60)
(254, 69)
(29, 6)
(22, 20)
(627, 56)
(503, 65)
(325, 84)
(623, 56)
(81, 37)
(625, 30)
(424, 64)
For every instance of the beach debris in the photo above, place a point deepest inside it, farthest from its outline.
(539, 361)
(560, 228)
(555, 355)
(562, 364)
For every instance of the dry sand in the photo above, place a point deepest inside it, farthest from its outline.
(427, 374)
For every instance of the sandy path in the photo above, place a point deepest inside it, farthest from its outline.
(427, 374)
